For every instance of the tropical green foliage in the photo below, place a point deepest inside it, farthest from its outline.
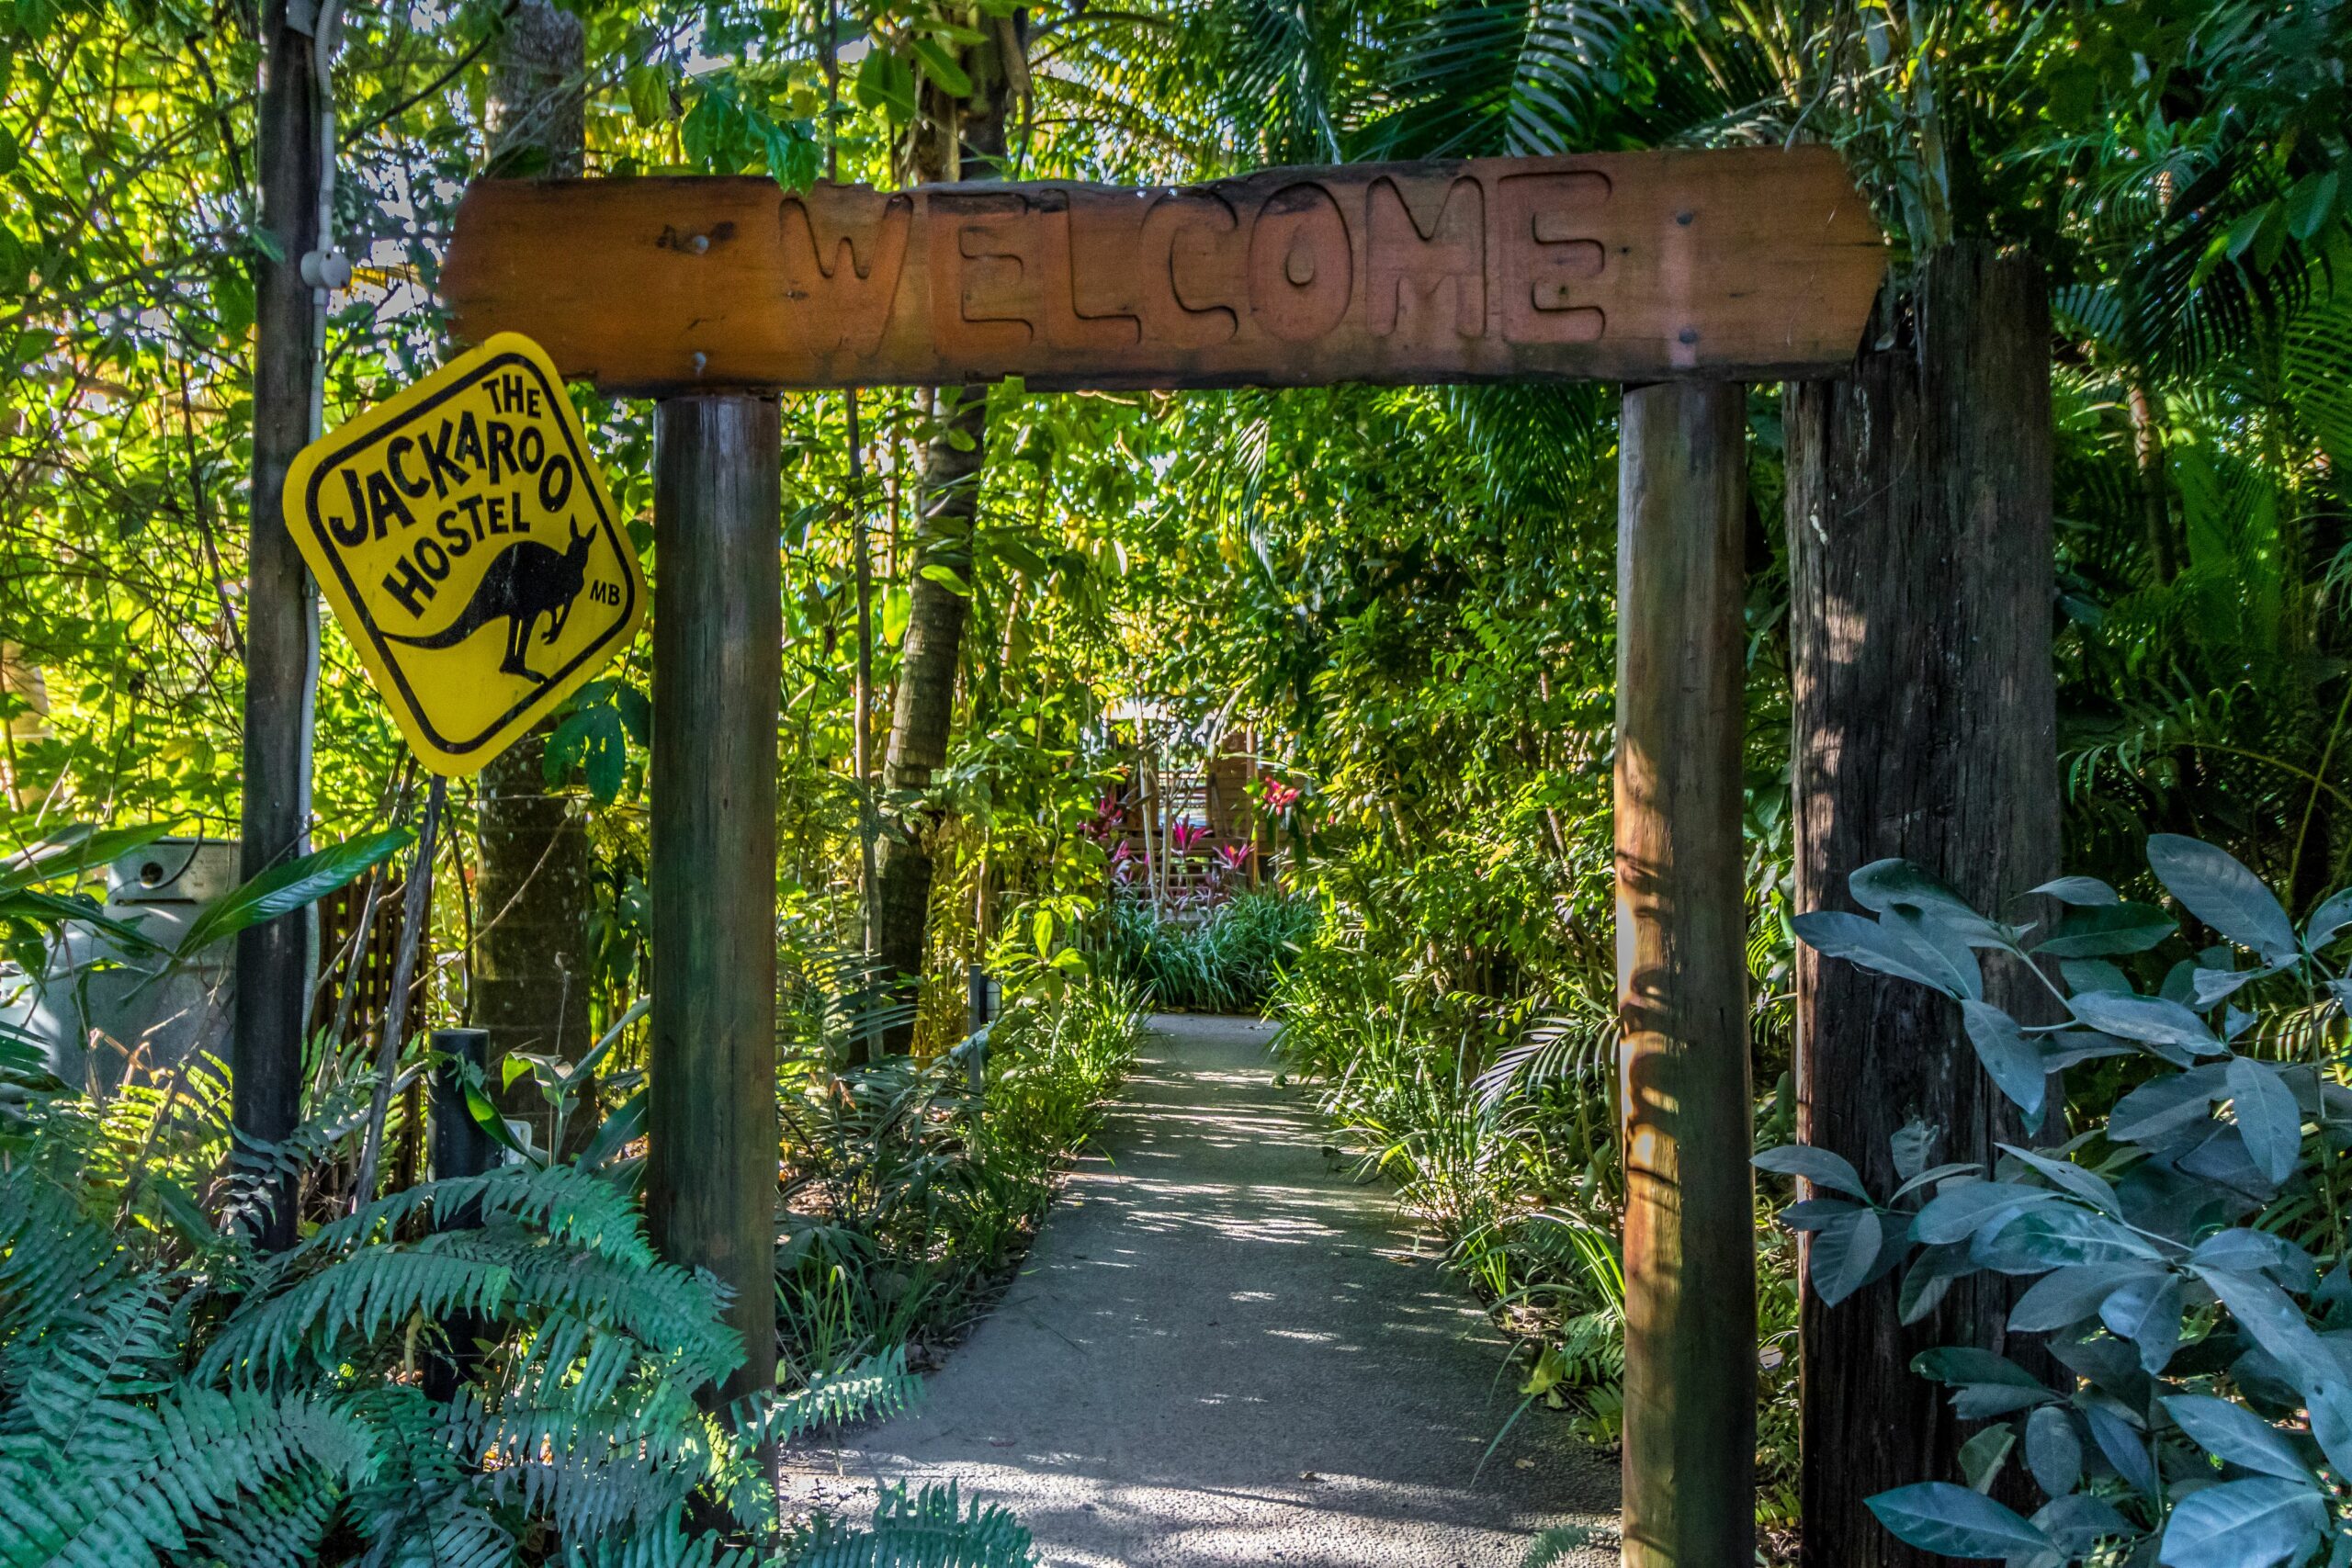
(912, 1185)
(2182, 1223)
(1409, 594)
(173, 1396)
(1227, 958)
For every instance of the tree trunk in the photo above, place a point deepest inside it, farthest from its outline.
(1689, 1411)
(957, 140)
(281, 612)
(531, 962)
(1924, 719)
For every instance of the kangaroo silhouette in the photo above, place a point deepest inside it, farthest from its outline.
(526, 580)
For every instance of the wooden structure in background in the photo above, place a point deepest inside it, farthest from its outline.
(339, 914)
(1687, 267)
(1217, 797)
(1749, 263)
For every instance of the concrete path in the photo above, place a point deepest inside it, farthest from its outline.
(1225, 1351)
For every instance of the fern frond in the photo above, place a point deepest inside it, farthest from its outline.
(198, 1455)
(500, 1272)
(1551, 1547)
(281, 1524)
(53, 1258)
(877, 1387)
(929, 1529)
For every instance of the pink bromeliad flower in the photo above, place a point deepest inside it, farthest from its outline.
(1183, 838)
(1280, 797)
(1235, 856)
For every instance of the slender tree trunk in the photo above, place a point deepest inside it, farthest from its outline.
(2148, 453)
(1924, 707)
(531, 964)
(281, 610)
(959, 140)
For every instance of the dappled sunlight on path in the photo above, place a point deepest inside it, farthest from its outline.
(1227, 1351)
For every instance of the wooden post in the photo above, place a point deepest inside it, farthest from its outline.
(1923, 711)
(281, 626)
(460, 1148)
(718, 638)
(1689, 1434)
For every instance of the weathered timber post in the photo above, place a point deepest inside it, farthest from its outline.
(1689, 1433)
(717, 660)
(460, 1148)
(281, 629)
(1923, 720)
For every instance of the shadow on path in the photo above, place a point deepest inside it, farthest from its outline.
(1224, 1350)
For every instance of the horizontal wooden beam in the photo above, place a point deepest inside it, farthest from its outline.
(1741, 263)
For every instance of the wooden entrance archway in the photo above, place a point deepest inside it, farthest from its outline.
(1683, 275)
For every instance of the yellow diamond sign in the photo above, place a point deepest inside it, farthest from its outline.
(469, 547)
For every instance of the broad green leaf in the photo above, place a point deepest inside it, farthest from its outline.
(1886, 947)
(2053, 1453)
(1960, 1364)
(2332, 915)
(2094, 974)
(615, 1132)
(1843, 1254)
(2122, 1445)
(1981, 1457)
(2328, 1402)
(2263, 1523)
(2069, 1177)
(2247, 1251)
(2065, 1047)
(2236, 1434)
(2055, 1235)
(2272, 1320)
(1910, 1146)
(1959, 1211)
(2147, 1312)
(51, 910)
(2148, 1019)
(2080, 1522)
(283, 889)
(2216, 886)
(1936, 1173)
(1818, 1165)
(1885, 886)
(2080, 890)
(80, 851)
(941, 67)
(2108, 931)
(2066, 1296)
(2267, 1117)
(2012, 1062)
(887, 82)
(1936, 1515)
(2165, 1107)
(2312, 203)
(1930, 1276)
(2208, 986)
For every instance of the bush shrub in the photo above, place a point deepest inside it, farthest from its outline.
(1226, 961)
(2187, 1248)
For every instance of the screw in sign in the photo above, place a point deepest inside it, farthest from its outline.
(469, 547)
